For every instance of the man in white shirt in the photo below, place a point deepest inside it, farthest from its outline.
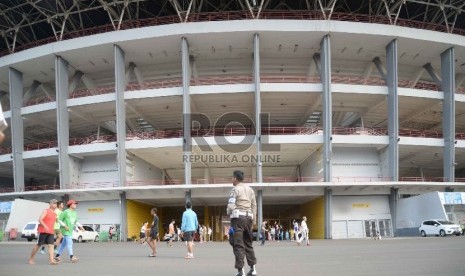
(3, 125)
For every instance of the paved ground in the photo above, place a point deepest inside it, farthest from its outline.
(397, 256)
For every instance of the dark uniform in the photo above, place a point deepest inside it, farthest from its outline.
(242, 209)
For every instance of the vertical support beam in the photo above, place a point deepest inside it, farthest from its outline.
(259, 212)
(188, 196)
(393, 198)
(325, 48)
(120, 84)
(258, 106)
(393, 109)
(186, 111)
(448, 112)
(328, 213)
(123, 230)
(17, 129)
(61, 83)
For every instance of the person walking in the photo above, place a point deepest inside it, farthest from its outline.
(295, 224)
(68, 219)
(57, 226)
(56, 229)
(153, 236)
(188, 226)
(242, 209)
(263, 233)
(171, 233)
(143, 232)
(304, 232)
(46, 233)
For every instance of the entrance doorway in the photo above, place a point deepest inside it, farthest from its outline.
(350, 229)
(383, 226)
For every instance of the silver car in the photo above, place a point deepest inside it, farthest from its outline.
(439, 228)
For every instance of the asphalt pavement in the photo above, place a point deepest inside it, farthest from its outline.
(393, 256)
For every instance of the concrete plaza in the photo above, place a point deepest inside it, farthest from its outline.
(395, 256)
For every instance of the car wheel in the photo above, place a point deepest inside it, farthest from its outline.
(442, 233)
(423, 233)
(79, 239)
(29, 239)
(96, 239)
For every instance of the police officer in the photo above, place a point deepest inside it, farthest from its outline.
(242, 209)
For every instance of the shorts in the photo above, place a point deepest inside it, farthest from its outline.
(188, 236)
(142, 235)
(45, 238)
(57, 232)
(153, 233)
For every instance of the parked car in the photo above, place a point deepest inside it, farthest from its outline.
(87, 235)
(30, 231)
(439, 228)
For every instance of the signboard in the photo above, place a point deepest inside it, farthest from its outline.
(360, 205)
(5, 207)
(452, 198)
(95, 210)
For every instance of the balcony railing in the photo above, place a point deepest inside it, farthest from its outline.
(223, 80)
(240, 15)
(228, 180)
(178, 133)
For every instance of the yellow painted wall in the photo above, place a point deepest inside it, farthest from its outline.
(138, 213)
(315, 212)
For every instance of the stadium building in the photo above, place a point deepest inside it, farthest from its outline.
(334, 109)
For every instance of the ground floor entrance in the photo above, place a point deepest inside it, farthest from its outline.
(348, 229)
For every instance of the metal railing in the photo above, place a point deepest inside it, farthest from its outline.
(228, 180)
(239, 15)
(178, 133)
(224, 80)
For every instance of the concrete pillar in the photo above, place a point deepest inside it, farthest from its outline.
(393, 109)
(120, 86)
(186, 111)
(258, 106)
(448, 108)
(328, 213)
(259, 212)
(325, 75)
(17, 129)
(393, 198)
(123, 236)
(61, 83)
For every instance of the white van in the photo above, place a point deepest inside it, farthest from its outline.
(30, 231)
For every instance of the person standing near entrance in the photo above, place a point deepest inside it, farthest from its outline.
(68, 219)
(304, 232)
(46, 234)
(242, 209)
(153, 235)
(188, 227)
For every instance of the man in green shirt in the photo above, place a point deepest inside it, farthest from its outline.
(67, 220)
